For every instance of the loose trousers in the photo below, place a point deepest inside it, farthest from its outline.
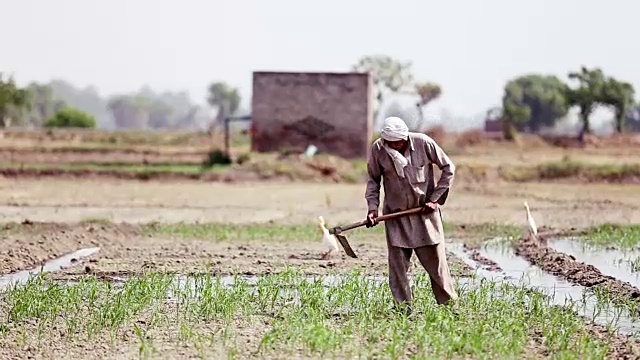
(434, 260)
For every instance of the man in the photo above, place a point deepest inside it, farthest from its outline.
(405, 160)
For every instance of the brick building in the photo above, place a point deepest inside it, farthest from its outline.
(332, 111)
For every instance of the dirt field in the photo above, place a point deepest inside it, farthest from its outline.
(557, 205)
(154, 234)
(51, 210)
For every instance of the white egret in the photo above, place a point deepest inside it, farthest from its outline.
(328, 240)
(533, 228)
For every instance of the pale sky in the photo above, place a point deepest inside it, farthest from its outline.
(470, 47)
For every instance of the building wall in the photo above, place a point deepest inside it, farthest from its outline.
(332, 111)
(493, 125)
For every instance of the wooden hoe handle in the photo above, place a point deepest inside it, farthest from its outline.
(339, 229)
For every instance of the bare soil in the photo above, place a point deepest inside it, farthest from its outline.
(560, 206)
(247, 335)
(126, 345)
(28, 245)
(125, 251)
(622, 347)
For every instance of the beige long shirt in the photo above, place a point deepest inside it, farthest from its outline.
(418, 186)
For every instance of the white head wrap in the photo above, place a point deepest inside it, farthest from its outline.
(394, 129)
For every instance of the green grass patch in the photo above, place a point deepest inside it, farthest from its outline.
(124, 167)
(568, 168)
(616, 235)
(129, 137)
(96, 220)
(634, 264)
(223, 232)
(291, 316)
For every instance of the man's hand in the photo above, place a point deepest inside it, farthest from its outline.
(430, 207)
(371, 218)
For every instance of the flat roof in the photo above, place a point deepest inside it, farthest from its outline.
(313, 72)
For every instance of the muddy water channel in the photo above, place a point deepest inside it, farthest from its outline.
(56, 264)
(519, 272)
(612, 262)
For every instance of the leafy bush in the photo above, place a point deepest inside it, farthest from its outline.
(70, 117)
(216, 157)
(243, 158)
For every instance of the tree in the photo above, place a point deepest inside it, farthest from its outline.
(588, 94)
(427, 92)
(130, 112)
(70, 117)
(44, 104)
(224, 98)
(515, 112)
(633, 119)
(619, 95)
(389, 75)
(147, 109)
(13, 100)
(533, 101)
(161, 115)
(87, 99)
(195, 118)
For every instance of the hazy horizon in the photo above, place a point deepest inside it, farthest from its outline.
(470, 48)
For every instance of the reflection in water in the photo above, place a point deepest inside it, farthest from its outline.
(22, 277)
(520, 272)
(610, 262)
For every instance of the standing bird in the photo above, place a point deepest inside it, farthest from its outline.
(328, 240)
(533, 229)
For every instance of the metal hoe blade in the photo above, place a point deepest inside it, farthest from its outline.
(345, 245)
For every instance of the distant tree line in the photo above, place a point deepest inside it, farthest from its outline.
(534, 101)
(530, 102)
(60, 104)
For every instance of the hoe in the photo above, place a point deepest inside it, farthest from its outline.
(342, 239)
